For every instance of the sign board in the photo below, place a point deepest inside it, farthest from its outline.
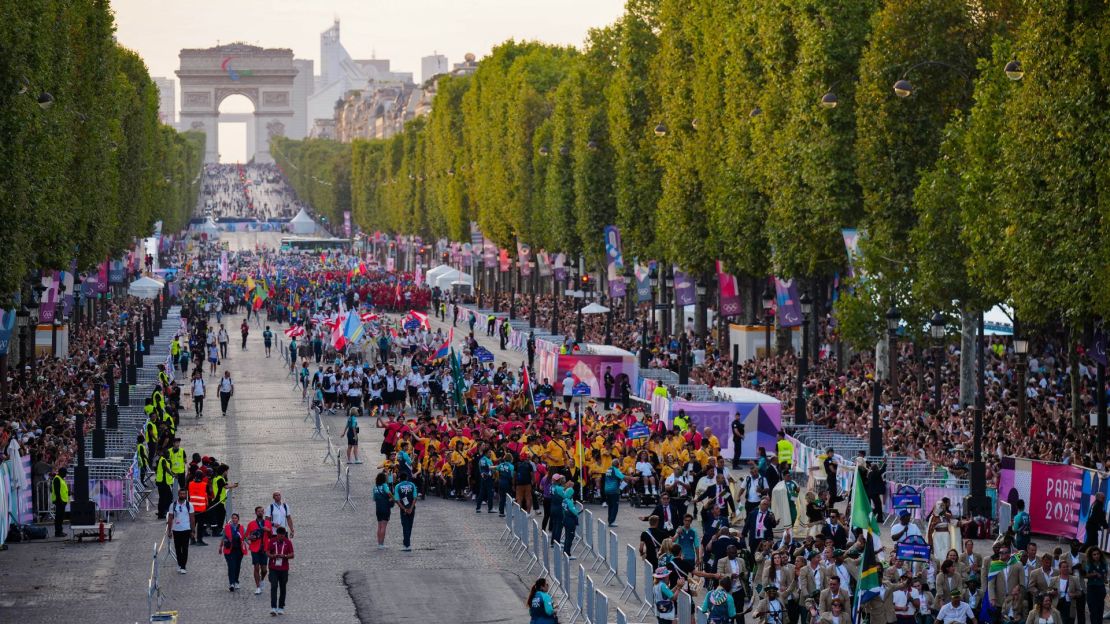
(581, 389)
(483, 355)
(412, 324)
(907, 497)
(638, 431)
(913, 548)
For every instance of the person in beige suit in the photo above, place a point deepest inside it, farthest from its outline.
(1039, 579)
(824, 600)
(947, 581)
(1008, 578)
(881, 607)
(1066, 588)
(808, 574)
(732, 566)
(1044, 612)
(1014, 609)
(770, 609)
(836, 614)
(970, 561)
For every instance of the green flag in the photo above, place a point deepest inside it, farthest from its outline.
(870, 573)
(862, 515)
(457, 381)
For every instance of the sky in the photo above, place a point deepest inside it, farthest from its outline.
(400, 30)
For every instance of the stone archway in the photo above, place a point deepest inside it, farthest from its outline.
(265, 76)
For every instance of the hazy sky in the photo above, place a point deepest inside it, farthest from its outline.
(399, 30)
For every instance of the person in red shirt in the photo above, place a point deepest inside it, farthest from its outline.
(280, 551)
(258, 534)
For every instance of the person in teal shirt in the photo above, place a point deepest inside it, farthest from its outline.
(383, 502)
(571, 509)
(540, 608)
(405, 494)
(556, 507)
(611, 491)
(485, 480)
(687, 538)
(268, 340)
(718, 605)
(505, 472)
(662, 596)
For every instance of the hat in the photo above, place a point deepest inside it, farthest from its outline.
(661, 573)
(771, 588)
(905, 513)
(955, 593)
(838, 553)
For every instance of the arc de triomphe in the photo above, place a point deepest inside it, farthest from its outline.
(264, 75)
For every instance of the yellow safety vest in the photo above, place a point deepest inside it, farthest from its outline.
(164, 475)
(59, 487)
(177, 461)
(159, 399)
(218, 490)
(141, 453)
(150, 432)
(785, 451)
(163, 378)
(175, 349)
(168, 420)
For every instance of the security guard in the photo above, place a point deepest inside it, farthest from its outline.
(163, 477)
(177, 463)
(784, 450)
(163, 377)
(142, 455)
(150, 433)
(175, 349)
(220, 486)
(59, 496)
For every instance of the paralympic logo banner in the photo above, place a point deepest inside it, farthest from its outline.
(786, 296)
(614, 261)
(684, 292)
(851, 244)
(761, 422)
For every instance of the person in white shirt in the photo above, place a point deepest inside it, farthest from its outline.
(904, 527)
(956, 611)
(279, 514)
(568, 390)
(181, 525)
(907, 601)
(227, 388)
(198, 392)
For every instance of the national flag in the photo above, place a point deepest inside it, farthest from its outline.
(870, 573)
(338, 338)
(445, 348)
(352, 328)
(985, 606)
(863, 516)
(250, 283)
(368, 317)
(294, 331)
(997, 566)
(169, 364)
(423, 318)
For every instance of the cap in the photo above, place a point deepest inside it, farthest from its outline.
(771, 588)
(955, 593)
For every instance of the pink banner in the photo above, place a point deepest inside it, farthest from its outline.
(1054, 494)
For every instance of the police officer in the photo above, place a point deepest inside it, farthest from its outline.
(59, 495)
(163, 478)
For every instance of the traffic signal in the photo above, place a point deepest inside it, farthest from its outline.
(585, 281)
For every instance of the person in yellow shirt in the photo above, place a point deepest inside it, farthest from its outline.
(456, 458)
(702, 456)
(597, 467)
(555, 454)
(708, 437)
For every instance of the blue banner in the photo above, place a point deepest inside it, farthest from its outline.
(913, 548)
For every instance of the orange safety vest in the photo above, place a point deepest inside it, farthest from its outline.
(198, 495)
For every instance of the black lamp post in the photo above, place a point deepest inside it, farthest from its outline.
(768, 319)
(1021, 348)
(893, 316)
(668, 293)
(800, 418)
(608, 320)
(937, 331)
(977, 500)
(113, 409)
(579, 330)
(653, 279)
(512, 293)
(99, 440)
(683, 360)
(497, 287)
(645, 356)
(81, 510)
(533, 276)
(629, 292)
(555, 296)
(701, 326)
(734, 376)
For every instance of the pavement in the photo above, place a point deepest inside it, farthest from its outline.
(338, 576)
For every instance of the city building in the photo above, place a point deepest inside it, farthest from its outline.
(167, 100)
(432, 66)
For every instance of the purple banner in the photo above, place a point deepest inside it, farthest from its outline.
(614, 261)
(48, 304)
(543, 263)
(1098, 348)
(489, 255)
(560, 269)
(67, 295)
(117, 273)
(523, 256)
(786, 296)
(685, 292)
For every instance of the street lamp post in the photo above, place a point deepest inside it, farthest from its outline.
(768, 319)
(512, 294)
(99, 439)
(1021, 348)
(608, 320)
(684, 359)
(702, 327)
(533, 276)
(653, 279)
(893, 316)
(937, 331)
(113, 409)
(734, 376)
(800, 418)
(668, 292)
(977, 500)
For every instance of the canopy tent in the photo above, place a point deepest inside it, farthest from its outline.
(444, 280)
(431, 275)
(145, 288)
(595, 308)
(302, 223)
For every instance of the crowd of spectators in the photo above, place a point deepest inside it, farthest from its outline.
(38, 413)
(839, 395)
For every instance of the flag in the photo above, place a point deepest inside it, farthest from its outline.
(457, 381)
(423, 318)
(445, 347)
(368, 317)
(338, 339)
(169, 364)
(294, 331)
(729, 291)
(352, 328)
(870, 571)
(862, 515)
(985, 606)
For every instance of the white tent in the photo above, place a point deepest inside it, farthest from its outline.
(434, 274)
(595, 308)
(445, 279)
(302, 223)
(145, 288)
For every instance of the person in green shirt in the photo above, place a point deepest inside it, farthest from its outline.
(718, 605)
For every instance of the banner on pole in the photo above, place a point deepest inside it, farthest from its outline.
(614, 261)
(729, 290)
(643, 282)
(684, 289)
(789, 311)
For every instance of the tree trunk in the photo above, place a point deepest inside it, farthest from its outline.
(969, 324)
(1073, 366)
